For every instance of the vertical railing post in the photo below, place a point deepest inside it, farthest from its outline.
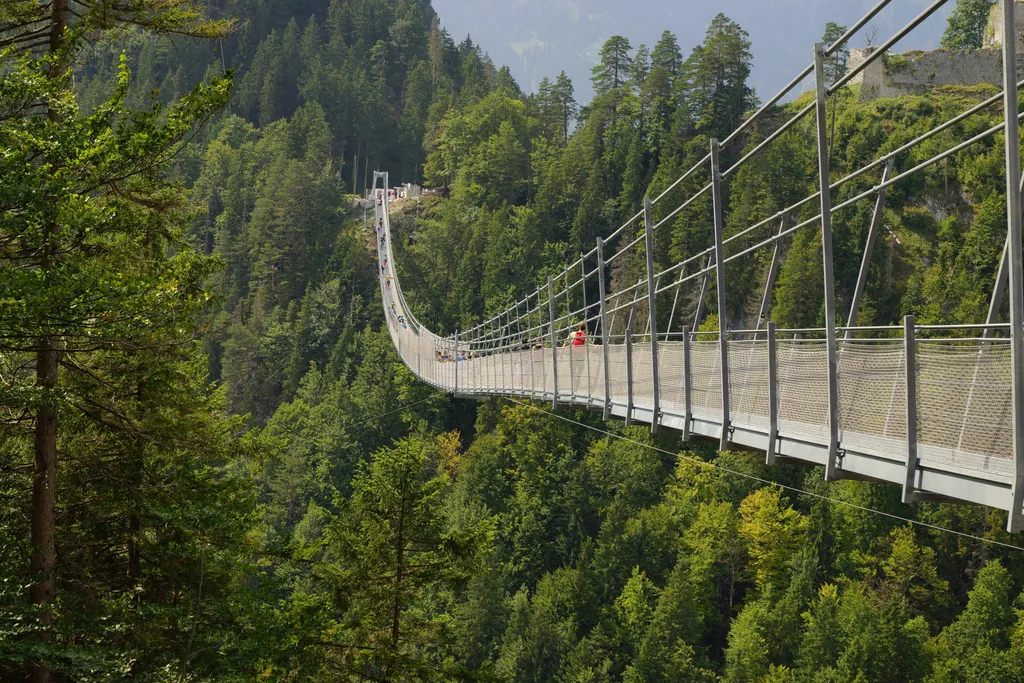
(531, 342)
(605, 337)
(456, 357)
(826, 256)
(586, 341)
(716, 190)
(504, 355)
(869, 247)
(569, 322)
(1013, 207)
(652, 313)
(687, 398)
(629, 358)
(773, 394)
(629, 376)
(554, 344)
(910, 355)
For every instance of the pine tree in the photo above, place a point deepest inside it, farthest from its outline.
(713, 88)
(393, 545)
(613, 69)
(667, 55)
(565, 105)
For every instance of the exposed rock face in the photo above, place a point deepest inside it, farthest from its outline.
(916, 72)
(994, 32)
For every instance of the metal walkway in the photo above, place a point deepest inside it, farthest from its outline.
(936, 409)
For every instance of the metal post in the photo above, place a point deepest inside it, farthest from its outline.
(826, 257)
(456, 357)
(605, 337)
(569, 323)
(773, 272)
(773, 394)
(629, 375)
(698, 317)
(529, 327)
(518, 351)
(675, 302)
(716, 190)
(629, 359)
(865, 262)
(911, 363)
(652, 313)
(687, 399)
(586, 315)
(1013, 208)
(554, 344)
(1002, 276)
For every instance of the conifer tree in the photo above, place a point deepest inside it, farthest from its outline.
(565, 105)
(394, 544)
(614, 65)
(713, 88)
(667, 55)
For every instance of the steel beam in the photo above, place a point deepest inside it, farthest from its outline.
(586, 340)
(629, 376)
(652, 313)
(554, 344)
(1016, 261)
(687, 397)
(456, 358)
(698, 317)
(773, 272)
(605, 337)
(773, 394)
(1002, 278)
(869, 247)
(910, 357)
(716, 190)
(826, 257)
(629, 357)
(675, 302)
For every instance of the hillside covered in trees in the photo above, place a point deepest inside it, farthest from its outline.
(213, 466)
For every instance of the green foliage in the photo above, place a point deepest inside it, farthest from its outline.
(967, 23)
(321, 515)
(615, 66)
(394, 544)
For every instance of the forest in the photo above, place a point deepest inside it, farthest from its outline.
(214, 467)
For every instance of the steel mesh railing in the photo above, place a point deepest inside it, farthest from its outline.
(954, 408)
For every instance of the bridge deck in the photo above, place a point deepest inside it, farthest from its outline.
(963, 396)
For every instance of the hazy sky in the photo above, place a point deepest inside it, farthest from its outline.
(537, 38)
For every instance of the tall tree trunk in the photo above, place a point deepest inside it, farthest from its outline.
(44, 494)
(396, 618)
(44, 477)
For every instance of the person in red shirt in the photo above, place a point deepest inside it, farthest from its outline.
(578, 337)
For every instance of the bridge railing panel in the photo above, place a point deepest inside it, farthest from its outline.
(803, 388)
(872, 389)
(617, 373)
(706, 383)
(748, 382)
(643, 375)
(964, 400)
(670, 365)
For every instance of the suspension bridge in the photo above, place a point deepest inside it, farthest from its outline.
(935, 409)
